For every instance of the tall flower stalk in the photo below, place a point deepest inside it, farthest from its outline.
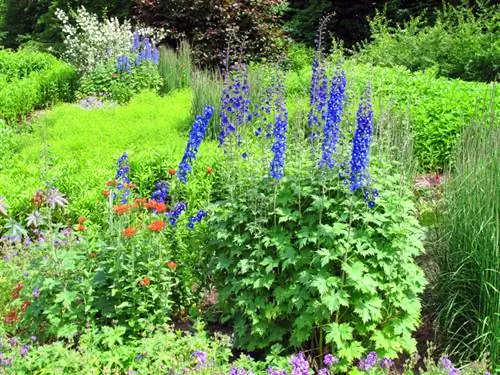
(277, 170)
(360, 157)
(334, 115)
(196, 136)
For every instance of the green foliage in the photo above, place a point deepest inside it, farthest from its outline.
(118, 86)
(467, 289)
(150, 128)
(438, 108)
(305, 262)
(175, 68)
(30, 80)
(459, 44)
(209, 28)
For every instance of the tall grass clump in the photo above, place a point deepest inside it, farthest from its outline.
(175, 67)
(468, 287)
(207, 86)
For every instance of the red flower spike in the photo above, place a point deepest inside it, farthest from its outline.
(157, 226)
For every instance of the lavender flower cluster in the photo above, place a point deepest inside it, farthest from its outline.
(143, 49)
(91, 102)
(13, 343)
(196, 135)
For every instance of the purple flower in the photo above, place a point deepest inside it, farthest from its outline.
(196, 136)
(239, 371)
(299, 363)
(446, 363)
(272, 371)
(33, 338)
(323, 371)
(122, 178)
(386, 363)
(367, 363)
(330, 360)
(13, 341)
(24, 350)
(123, 65)
(36, 292)
(201, 358)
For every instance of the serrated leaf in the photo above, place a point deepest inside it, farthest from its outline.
(369, 310)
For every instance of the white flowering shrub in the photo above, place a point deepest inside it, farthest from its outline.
(90, 42)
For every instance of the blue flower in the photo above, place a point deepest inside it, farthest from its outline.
(124, 65)
(160, 193)
(196, 218)
(174, 214)
(122, 178)
(279, 134)
(299, 363)
(196, 136)
(361, 145)
(334, 115)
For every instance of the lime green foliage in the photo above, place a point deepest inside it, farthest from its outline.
(459, 44)
(85, 144)
(304, 261)
(439, 108)
(175, 67)
(468, 286)
(107, 82)
(32, 80)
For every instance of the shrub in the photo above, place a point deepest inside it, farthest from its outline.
(24, 88)
(91, 42)
(468, 284)
(209, 28)
(461, 43)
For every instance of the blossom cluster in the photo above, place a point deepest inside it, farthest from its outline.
(279, 135)
(196, 136)
(89, 42)
(174, 214)
(332, 124)
(235, 102)
(196, 218)
(122, 178)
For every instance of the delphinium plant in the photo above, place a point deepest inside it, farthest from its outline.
(310, 247)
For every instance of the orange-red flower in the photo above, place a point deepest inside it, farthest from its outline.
(161, 207)
(145, 282)
(171, 264)
(141, 200)
(80, 227)
(105, 193)
(129, 232)
(209, 170)
(121, 209)
(111, 183)
(11, 317)
(151, 204)
(81, 220)
(25, 305)
(130, 186)
(171, 171)
(157, 225)
(93, 254)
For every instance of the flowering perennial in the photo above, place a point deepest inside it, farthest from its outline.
(235, 102)
(299, 363)
(361, 145)
(178, 209)
(196, 218)
(122, 179)
(160, 193)
(196, 135)
(279, 133)
(334, 115)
